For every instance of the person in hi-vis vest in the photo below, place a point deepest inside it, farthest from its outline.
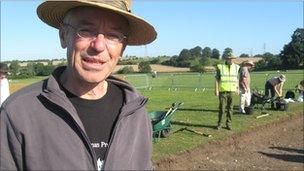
(226, 83)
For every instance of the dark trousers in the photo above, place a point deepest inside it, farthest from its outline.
(225, 99)
(269, 89)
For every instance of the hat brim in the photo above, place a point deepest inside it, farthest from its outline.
(249, 63)
(53, 12)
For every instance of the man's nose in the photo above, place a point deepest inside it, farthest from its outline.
(99, 43)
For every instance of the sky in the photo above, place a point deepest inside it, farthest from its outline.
(246, 26)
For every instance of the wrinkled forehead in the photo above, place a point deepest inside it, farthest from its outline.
(95, 16)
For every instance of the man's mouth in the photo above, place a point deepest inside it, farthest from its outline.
(91, 63)
(93, 60)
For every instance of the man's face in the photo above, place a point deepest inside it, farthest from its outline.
(249, 67)
(229, 61)
(2, 75)
(92, 59)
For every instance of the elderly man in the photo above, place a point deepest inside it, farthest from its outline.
(244, 84)
(226, 83)
(80, 118)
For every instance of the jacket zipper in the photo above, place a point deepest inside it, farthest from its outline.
(91, 151)
(114, 131)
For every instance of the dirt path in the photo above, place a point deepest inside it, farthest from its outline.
(276, 146)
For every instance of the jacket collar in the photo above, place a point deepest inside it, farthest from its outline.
(133, 99)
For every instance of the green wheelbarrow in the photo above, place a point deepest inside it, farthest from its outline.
(161, 121)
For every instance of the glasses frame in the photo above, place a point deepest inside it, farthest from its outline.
(121, 37)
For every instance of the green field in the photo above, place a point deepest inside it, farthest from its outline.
(200, 81)
(199, 110)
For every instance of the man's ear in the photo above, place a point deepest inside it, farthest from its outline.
(62, 37)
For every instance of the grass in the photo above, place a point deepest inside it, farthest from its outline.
(199, 112)
(200, 108)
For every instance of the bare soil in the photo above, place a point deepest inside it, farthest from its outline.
(275, 146)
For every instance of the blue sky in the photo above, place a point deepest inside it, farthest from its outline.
(250, 27)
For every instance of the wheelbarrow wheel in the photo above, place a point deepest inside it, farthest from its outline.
(165, 133)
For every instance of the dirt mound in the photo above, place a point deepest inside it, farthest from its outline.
(275, 146)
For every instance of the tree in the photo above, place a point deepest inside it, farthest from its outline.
(14, 67)
(226, 53)
(184, 55)
(196, 52)
(244, 55)
(125, 70)
(269, 62)
(292, 53)
(215, 54)
(197, 68)
(144, 67)
(30, 71)
(184, 58)
(42, 70)
(171, 62)
(272, 61)
(206, 53)
(155, 60)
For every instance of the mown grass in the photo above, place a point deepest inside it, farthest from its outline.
(200, 109)
(200, 112)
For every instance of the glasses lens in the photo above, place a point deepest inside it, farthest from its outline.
(113, 37)
(85, 33)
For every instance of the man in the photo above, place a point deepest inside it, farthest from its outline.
(244, 84)
(80, 118)
(4, 85)
(226, 83)
(300, 88)
(274, 87)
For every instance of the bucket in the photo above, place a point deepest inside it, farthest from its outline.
(282, 106)
(249, 110)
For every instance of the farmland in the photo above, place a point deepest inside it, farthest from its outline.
(199, 110)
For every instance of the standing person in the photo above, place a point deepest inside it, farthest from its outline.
(300, 88)
(244, 84)
(226, 83)
(81, 118)
(4, 85)
(274, 87)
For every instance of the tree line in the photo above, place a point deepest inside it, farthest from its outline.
(291, 56)
(197, 58)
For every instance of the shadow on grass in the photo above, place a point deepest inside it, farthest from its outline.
(198, 110)
(298, 158)
(192, 125)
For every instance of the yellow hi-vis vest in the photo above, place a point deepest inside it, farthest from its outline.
(228, 77)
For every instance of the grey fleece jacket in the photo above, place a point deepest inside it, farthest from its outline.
(40, 130)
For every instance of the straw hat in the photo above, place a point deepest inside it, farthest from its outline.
(248, 63)
(282, 78)
(230, 55)
(141, 32)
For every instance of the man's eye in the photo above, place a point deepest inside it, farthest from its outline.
(113, 36)
(85, 32)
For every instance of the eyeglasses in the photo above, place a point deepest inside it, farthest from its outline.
(90, 34)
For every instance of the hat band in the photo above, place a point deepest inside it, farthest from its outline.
(120, 4)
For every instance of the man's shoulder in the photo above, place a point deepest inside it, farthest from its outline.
(25, 95)
(129, 90)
